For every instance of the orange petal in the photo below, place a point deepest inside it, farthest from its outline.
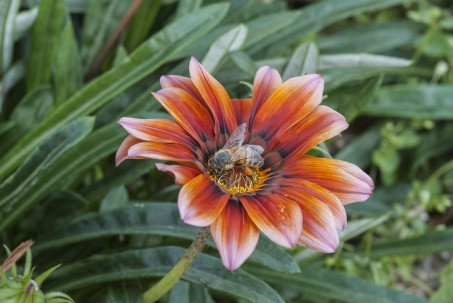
(321, 124)
(183, 83)
(162, 151)
(276, 216)
(158, 130)
(121, 154)
(200, 201)
(289, 103)
(303, 190)
(267, 80)
(215, 96)
(235, 235)
(319, 231)
(182, 174)
(242, 109)
(188, 112)
(347, 181)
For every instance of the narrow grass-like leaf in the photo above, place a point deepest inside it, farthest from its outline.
(31, 110)
(323, 284)
(152, 219)
(156, 262)
(148, 57)
(44, 42)
(359, 151)
(435, 143)
(12, 76)
(303, 61)
(24, 21)
(127, 291)
(410, 101)
(357, 102)
(141, 23)
(430, 242)
(17, 190)
(361, 61)
(187, 6)
(228, 42)
(67, 66)
(8, 11)
(244, 62)
(116, 198)
(102, 17)
(370, 38)
(281, 30)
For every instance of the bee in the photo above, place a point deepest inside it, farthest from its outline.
(235, 155)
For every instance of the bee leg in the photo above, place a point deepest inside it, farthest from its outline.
(247, 171)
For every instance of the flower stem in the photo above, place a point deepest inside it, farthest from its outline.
(158, 290)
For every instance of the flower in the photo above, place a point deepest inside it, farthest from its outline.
(242, 163)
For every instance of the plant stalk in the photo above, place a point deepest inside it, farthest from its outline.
(159, 289)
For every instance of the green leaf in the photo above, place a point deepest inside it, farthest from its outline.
(67, 66)
(323, 284)
(31, 110)
(435, 143)
(17, 191)
(152, 219)
(360, 149)
(147, 58)
(244, 62)
(44, 42)
(445, 292)
(8, 11)
(430, 242)
(361, 61)
(303, 61)
(127, 291)
(156, 262)
(141, 23)
(13, 75)
(116, 198)
(24, 21)
(276, 31)
(101, 20)
(228, 42)
(357, 102)
(187, 6)
(369, 38)
(413, 101)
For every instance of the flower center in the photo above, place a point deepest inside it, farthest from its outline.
(239, 179)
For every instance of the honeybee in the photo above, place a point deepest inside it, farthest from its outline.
(234, 154)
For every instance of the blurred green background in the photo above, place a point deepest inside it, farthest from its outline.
(70, 69)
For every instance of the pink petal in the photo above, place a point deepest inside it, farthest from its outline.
(267, 80)
(215, 96)
(200, 201)
(182, 174)
(235, 235)
(289, 103)
(121, 154)
(276, 216)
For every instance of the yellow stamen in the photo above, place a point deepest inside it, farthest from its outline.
(236, 181)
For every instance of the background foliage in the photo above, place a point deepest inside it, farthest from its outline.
(65, 81)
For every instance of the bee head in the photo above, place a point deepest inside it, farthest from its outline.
(219, 160)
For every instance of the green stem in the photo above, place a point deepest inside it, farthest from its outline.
(158, 290)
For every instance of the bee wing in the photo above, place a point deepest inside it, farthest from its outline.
(256, 148)
(237, 137)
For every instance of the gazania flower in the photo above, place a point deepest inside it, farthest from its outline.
(242, 163)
